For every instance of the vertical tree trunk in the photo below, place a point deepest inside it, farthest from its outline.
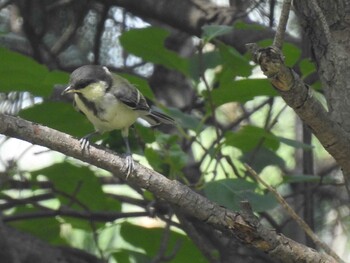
(327, 25)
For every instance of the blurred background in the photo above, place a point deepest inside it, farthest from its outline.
(226, 111)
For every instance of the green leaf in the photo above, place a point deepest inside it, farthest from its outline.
(235, 61)
(148, 43)
(241, 90)
(80, 184)
(126, 255)
(210, 32)
(169, 158)
(186, 121)
(250, 137)
(150, 239)
(199, 63)
(230, 192)
(60, 116)
(294, 143)
(262, 158)
(154, 158)
(21, 73)
(292, 54)
(147, 134)
(245, 26)
(49, 233)
(307, 67)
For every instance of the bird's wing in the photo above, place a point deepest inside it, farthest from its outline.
(130, 96)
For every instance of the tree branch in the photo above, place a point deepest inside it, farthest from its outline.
(300, 98)
(230, 224)
(294, 215)
(92, 216)
(282, 24)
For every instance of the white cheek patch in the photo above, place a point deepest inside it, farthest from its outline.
(95, 91)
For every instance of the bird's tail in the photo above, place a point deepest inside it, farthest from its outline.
(155, 118)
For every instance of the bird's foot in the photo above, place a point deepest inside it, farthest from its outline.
(84, 143)
(129, 165)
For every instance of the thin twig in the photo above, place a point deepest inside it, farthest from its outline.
(294, 215)
(99, 32)
(96, 216)
(282, 24)
(272, 13)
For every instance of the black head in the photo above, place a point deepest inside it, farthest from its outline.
(88, 74)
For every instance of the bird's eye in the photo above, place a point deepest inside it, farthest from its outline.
(83, 83)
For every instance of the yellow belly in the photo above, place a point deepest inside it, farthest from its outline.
(116, 117)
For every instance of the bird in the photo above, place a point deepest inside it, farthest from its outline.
(110, 102)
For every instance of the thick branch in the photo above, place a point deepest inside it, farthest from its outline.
(300, 97)
(229, 223)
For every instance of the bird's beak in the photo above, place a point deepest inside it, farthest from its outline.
(69, 89)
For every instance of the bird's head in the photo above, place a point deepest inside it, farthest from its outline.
(92, 81)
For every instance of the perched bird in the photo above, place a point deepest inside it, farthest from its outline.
(110, 102)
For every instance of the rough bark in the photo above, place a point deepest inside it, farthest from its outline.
(300, 97)
(328, 29)
(242, 226)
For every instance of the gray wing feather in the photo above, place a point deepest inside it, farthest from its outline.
(130, 96)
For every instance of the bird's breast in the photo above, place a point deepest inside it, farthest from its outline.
(107, 113)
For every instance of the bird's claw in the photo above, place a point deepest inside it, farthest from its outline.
(84, 144)
(129, 165)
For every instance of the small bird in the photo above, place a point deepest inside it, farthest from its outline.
(110, 102)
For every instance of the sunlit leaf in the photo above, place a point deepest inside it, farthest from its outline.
(294, 143)
(212, 31)
(22, 73)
